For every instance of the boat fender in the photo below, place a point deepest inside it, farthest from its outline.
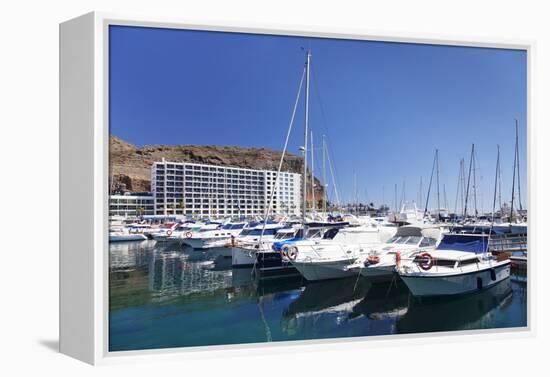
(232, 240)
(397, 258)
(425, 261)
(479, 283)
(493, 274)
(188, 234)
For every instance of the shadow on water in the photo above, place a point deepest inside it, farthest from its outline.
(383, 301)
(470, 311)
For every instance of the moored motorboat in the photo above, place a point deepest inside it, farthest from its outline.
(328, 259)
(125, 235)
(460, 264)
(409, 240)
(220, 236)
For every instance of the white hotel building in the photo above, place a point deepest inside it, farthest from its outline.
(183, 188)
(131, 205)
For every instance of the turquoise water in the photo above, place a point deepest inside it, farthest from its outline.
(165, 296)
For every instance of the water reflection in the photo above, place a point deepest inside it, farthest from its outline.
(163, 295)
(474, 311)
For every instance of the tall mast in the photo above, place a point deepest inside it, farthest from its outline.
(462, 183)
(500, 189)
(430, 185)
(517, 161)
(324, 178)
(313, 206)
(437, 179)
(468, 184)
(514, 177)
(475, 185)
(496, 181)
(306, 120)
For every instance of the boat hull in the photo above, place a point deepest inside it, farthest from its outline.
(378, 273)
(324, 270)
(127, 238)
(241, 257)
(432, 285)
(271, 264)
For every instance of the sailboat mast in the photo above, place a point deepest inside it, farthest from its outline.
(437, 181)
(475, 185)
(496, 181)
(430, 185)
(324, 178)
(306, 120)
(468, 184)
(313, 206)
(514, 178)
(517, 162)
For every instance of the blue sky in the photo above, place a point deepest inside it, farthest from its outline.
(384, 107)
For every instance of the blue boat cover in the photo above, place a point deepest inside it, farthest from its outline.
(472, 243)
(278, 246)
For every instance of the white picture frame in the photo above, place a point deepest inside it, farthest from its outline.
(84, 185)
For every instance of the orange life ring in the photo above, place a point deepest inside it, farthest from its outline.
(425, 261)
(188, 234)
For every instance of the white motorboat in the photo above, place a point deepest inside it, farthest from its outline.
(244, 247)
(460, 264)
(328, 258)
(211, 236)
(125, 235)
(174, 231)
(409, 240)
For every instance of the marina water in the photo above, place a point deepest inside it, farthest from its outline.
(165, 295)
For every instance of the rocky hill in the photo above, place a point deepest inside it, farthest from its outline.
(131, 166)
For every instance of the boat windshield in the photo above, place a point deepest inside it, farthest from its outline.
(284, 235)
(472, 243)
(398, 240)
(236, 226)
(413, 240)
(226, 226)
(313, 233)
(267, 232)
(393, 239)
